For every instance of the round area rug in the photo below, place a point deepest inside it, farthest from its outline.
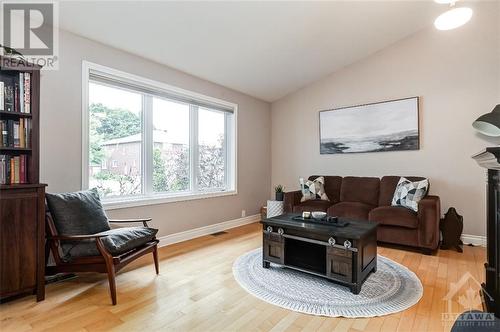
(391, 289)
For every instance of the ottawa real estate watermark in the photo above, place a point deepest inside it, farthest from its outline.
(468, 299)
(29, 34)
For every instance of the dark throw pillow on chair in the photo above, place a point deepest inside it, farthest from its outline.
(78, 213)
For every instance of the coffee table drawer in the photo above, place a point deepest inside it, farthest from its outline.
(339, 252)
(274, 251)
(339, 268)
(273, 237)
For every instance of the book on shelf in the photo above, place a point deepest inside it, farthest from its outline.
(27, 92)
(21, 93)
(15, 93)
(13, 169)
(2, 98)
(9, 98)
(15, 133)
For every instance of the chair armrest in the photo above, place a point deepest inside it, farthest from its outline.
(429, 215)
(75, 237)
(124, 221)
(291, 199)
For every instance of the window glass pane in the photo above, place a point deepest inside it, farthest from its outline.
(211, 172)
(115, 140)
(171, 146)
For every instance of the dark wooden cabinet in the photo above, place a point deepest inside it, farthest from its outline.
(22, 201)
(22, 237)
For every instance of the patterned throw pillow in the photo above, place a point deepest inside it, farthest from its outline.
(408, 194)
(313, 189)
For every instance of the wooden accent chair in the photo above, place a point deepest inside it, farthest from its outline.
(104, 252)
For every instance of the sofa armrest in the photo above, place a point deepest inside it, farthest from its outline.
(429, 215)
(291, 199)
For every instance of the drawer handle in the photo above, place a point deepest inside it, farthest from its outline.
(347, 244)
(331, 241)
(269, 229)
(280, 231)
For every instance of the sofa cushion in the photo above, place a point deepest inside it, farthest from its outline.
(360, 189)
(118, 241)
(388, 186)
(313, 205)
(409, 193)
(77, 213)
(313, 189)
(354, 210)
(394, 216)
(332, 187)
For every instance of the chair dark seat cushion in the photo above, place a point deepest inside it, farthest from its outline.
(354, 210)
(394, 216)
(312, 205)
(118, 241)
(78, 213)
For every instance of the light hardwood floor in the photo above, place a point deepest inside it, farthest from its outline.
(196, 291)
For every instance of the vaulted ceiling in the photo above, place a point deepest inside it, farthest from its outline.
(264, 49)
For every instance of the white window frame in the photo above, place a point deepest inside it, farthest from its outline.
(148, 197)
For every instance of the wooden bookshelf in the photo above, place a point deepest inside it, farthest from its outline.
(22, 205)
(14, 114)
(10, 77)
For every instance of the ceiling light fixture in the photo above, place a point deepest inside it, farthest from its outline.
(453, 18)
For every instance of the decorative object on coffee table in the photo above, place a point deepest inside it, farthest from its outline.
(279, 192)
(346, 255)
(393, 288)
(451, 227)
(274, 208)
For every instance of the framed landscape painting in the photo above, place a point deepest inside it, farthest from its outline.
(384, 126)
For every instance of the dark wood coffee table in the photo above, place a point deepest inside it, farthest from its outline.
(346, 255)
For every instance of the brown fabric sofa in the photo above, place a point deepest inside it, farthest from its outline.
(369, 198)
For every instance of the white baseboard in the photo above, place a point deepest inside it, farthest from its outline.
(474, 240)
(206, 230)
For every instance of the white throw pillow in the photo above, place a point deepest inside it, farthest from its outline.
(313, 189)
(408, 194)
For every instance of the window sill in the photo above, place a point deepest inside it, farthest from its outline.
(128, 202)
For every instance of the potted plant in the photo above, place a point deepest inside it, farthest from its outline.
(279, 192)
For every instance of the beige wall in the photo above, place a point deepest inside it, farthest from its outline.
(61, 129)
(457, 75)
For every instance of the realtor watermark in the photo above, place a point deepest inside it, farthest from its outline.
(30, 35)
(469, 299)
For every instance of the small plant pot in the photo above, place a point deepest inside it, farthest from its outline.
(280, 196)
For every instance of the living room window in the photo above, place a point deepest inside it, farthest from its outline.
(163, 143)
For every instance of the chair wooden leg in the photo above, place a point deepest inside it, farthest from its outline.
(108, 259)
(112, 283)
(155, 256)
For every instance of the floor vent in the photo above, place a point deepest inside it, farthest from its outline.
(218, 233)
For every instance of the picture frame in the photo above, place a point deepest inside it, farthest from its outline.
(391, 125)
